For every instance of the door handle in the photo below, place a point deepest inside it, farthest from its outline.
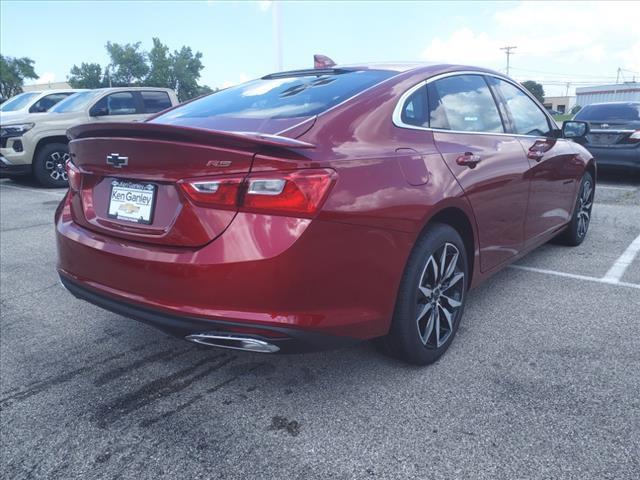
(468, 159)
(535, 155)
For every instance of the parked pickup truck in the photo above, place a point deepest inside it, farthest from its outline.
(38, 147)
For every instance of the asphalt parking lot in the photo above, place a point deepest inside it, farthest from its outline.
(543, 380)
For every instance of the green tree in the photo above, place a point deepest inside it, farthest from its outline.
(160, 65)
(535, 88)
(128, 64)
(185, 73)
(13, 72)
(205, 90)
(87, 75)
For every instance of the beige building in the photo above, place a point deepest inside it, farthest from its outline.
(46, 86)
(560, 104)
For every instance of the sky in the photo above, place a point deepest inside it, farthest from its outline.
(579, 43)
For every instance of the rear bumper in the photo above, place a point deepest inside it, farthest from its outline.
(288, 340)
(617, 157)
(306, 279)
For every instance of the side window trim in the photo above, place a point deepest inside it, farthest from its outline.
(396, 119)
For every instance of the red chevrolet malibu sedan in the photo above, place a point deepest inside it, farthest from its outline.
(313, 208)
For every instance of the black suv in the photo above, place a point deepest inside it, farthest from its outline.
(614, 137)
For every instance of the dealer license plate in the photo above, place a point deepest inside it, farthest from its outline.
(132, 201)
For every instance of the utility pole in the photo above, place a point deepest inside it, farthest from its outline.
(508, 52)
(618, 75)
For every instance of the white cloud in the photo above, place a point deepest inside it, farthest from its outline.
(630, 59)
(557, 42)
(264, 5)
(47, 77)
(464, 46)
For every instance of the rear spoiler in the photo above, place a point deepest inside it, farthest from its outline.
(157, 131)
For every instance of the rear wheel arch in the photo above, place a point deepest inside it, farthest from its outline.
(459, 220)
(591, 168)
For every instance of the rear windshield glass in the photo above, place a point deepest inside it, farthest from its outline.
(612, 111)
(281, 97)
(18, 102)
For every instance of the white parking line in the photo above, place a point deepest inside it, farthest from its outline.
(34, 190)
(577, 277)
(620, 266)
(626, 189)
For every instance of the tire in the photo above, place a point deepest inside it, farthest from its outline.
(49, 165)
(423, 304)
(576, 231)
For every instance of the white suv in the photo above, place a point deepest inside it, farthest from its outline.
(32, 102)
(39, 146)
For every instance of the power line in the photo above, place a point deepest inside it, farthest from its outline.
(507, 50)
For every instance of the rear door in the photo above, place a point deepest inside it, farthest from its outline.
(489, 163)
(554, 170)
(122, 106)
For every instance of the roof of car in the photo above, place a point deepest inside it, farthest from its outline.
(429, 68)
(628, 102)
(118, 89)
(56, 90)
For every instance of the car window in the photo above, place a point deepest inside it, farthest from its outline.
(286, 96)
(527, 117)
(155, 101)
(609, 111)
(76, 102)
(119, 103)
(414, 110)
(463, 103)
(19, 101)
(45, 103)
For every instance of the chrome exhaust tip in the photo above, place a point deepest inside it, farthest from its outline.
(233, 342)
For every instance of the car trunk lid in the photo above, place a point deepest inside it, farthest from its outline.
(131, 174)
(612, 133)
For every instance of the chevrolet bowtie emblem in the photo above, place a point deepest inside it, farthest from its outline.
(115, 160)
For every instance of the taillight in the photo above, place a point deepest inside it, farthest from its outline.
(297, 193)
(214, 192)
(634, 137)
(300, 192)
(74, 176)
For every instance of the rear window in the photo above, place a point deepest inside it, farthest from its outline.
(155, 101)
(282, 96)
(612, 111)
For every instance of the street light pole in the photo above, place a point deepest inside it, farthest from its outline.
(277, 34)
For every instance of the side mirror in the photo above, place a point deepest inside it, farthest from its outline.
(98, 111)
(574, 129)
(37, 109)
